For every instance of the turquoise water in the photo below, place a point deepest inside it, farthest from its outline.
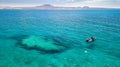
(68, 28)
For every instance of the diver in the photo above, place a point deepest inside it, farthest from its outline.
(92, 39)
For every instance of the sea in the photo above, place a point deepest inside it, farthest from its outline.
(67, 28)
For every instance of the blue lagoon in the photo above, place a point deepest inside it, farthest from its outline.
(57, 38)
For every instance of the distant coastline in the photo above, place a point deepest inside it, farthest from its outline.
(51, 7)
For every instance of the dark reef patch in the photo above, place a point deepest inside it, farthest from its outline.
(64, 41)
(40, 49)
(57, 41)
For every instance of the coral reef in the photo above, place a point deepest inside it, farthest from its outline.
(39, 43)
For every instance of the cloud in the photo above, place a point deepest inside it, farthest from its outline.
(95, 3)
(68, 1)
(106, 3)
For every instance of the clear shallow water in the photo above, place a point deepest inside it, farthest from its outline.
(68, 28)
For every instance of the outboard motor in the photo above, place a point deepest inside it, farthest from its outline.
(92, 39)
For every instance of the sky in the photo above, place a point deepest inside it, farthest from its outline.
(67, 3)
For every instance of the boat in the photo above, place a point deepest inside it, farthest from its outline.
(92, 39)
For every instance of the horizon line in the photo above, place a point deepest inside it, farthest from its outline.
(22, 6)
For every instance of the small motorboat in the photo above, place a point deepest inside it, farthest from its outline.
(92, 39)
